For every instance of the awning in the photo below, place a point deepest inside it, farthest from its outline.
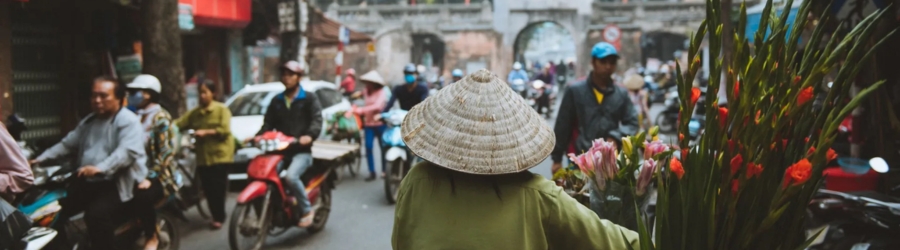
(324, 31)
(220, 13)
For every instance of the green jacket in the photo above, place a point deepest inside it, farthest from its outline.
(210, 150)
(530, 213)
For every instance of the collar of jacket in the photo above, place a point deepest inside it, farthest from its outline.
(301, 94)
(609, 90)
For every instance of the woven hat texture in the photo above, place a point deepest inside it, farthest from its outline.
(478, 125)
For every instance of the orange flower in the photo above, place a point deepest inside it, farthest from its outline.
(676, 168)
(684, 154)
(680, 137)
(754, 169)
(736, 163)
(737, 89)
(723, 117)
(797, 79)
(810, 151)
(798, 173)
(695, 95)
(804, 96)
(831, 155)
(735, 185)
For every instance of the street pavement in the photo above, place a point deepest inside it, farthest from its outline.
(360, 218)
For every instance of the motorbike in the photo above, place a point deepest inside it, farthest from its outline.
(667, 120)
(42, 204)
(539, 91)
(265, 206)
(395, 156)
(518, 85)
(855, 220)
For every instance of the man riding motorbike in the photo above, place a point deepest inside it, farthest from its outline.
(108, 145)
(409, 94)
(517, 73)
(457, 75)
(296, 113)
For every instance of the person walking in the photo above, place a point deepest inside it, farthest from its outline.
(639, 96)
(211, 122)
(108, 146)
(348, 85)
(161, 134)
(595, 108)
(375, 98)
(474, 190)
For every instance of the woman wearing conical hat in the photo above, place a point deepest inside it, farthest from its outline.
(474, 190)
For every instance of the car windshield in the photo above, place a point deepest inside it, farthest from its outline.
(252, 103)
(328, 97)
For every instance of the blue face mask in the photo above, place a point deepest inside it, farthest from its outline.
(410, 79)
(134, 99)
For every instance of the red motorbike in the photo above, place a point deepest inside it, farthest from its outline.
(265, 207)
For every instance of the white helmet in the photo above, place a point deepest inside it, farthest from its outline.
(145, 82)
(421, 69)
(538, 84)
(517, 66)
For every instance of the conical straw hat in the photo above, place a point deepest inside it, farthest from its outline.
(479, 126)
(634, 82)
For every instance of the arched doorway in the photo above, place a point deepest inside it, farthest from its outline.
(428, 50)
(544, 43)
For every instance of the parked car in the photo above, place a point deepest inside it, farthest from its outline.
(248, 107)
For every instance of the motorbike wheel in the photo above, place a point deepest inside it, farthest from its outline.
(258, 214)
(322, 211)
(169, 237)
(355, 164)
(393, 175)
(664, 124)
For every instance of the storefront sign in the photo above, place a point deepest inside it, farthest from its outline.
(287, 16)
(185, 17)
(128, 67)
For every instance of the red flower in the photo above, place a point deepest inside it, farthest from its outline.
(797, 79)
(735, 185)
(758, 112)
(783, 143)
(806, 139)
(798, 173)
(680, 137)
(684, 154)
(736, 163)
(737, 89)
(723, 117)
(804, 96)
(676, 168)
(695, 95)
(831, 155)
(810, 151)
(754, 170)
(730, 145)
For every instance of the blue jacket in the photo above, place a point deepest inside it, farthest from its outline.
(517, 74)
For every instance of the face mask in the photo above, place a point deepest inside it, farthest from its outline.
(410, 79)
(134, 99)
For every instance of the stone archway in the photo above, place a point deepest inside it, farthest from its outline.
(566, 49)
(400, 45)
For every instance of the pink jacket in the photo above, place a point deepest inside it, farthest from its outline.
(375, 103)
(15, 173)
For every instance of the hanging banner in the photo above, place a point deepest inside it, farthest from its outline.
(185, 17)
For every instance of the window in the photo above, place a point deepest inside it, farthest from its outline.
(253, 103)
(328, 97)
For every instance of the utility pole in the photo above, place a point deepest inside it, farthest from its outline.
(161, 42)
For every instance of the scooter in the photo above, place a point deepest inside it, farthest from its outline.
(855, 220)
(41, 203)
(396, 155)
(265, 207)
(518, 85)
(667, 120)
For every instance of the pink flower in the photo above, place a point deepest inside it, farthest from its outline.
(606, 164)
(654, 148)
(645, 176)
(586, 166)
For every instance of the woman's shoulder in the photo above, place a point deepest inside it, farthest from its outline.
(528, 180)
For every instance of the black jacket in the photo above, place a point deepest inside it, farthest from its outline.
(612, 119)
(304, 117)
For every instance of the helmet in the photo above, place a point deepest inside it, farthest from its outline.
(409, 69)
(517, 66)
(457, 73)
(293, 66)
(421, 69)
(538, 84)
(351, 72)
(145, 81)
(603, 50)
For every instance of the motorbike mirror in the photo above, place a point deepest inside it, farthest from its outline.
(879, 165)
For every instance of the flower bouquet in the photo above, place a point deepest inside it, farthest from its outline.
(620, 180)
(747, 182)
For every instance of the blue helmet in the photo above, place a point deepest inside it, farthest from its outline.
(457, 73)
(409, 69)
(603, 50)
